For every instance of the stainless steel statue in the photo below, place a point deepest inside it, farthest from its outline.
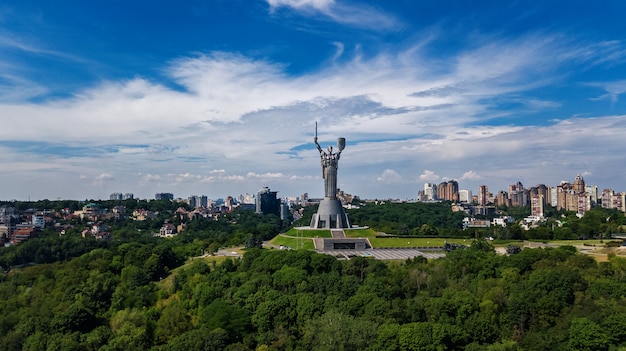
(330, 213)
(330, 163)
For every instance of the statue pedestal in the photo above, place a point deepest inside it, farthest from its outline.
(330, 214)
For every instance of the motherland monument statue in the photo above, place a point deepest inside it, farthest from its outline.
(330, 213)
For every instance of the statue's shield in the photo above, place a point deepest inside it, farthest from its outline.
(341, 143)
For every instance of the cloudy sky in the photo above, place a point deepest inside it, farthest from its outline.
(221, 97)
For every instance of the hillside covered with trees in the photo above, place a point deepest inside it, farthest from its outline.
(114, 299)
(140, 292)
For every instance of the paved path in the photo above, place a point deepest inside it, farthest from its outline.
(318, 243)
(337, 233)
(383, 254)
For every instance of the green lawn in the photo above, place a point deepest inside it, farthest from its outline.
(309, 233)
(294, 243)
(360, 233)
(599, 243)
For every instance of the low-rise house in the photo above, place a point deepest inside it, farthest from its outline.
(119, 212)
(475, 223)
(503, 221)
(142, 215)
(22, 233)
(167, 230)
(98, 231)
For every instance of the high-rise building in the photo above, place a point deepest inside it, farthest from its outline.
(164, 196)
(502, 199)
(536, 205)
(246, 198)
(570, 196)
(453, 190)
(430, 191)
(518, 196)
(448, 191)
(592, 190)
(267, 202)
(579, 184)
(483, 195)
(116, 196)
(229, 202)
(285, 213)
(584, 203)
(564, 191)
(611, 199)
(553, 196)
(129, 196)
(191, 200)
(465, 196)
(196, 201)
(540, 190)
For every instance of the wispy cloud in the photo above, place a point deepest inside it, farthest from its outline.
(355, 15)
(613, 90)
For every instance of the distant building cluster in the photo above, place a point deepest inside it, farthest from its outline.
(569, 196)
(120, 196)
(164, 196)
(445, 191)
(345, 198)
(16, 227)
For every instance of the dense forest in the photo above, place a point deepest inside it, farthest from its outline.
(139, 292)
(473, 299)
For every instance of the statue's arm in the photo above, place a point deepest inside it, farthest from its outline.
(319, 148)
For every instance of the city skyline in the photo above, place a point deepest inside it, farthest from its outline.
(420, 190)
(221, 97)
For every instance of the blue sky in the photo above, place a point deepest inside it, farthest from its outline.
(221, 97)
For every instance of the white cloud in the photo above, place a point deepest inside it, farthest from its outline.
(357, 15)
(239, 120)
(320, 5)
(470, 175)
(428, 176)
(390, 176)
(613, 90)
(265, 175)
(101, 179)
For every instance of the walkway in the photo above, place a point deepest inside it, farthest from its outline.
(318, 243)
(337, 233)
(383, 254)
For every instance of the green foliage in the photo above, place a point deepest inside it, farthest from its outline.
(219, 314)
(337, 331)
(585, 335)
(424, 336)
(426, 219)
(106, 295)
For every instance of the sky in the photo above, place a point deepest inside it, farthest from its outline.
(221, 97)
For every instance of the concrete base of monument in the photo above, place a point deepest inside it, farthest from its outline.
(329, 244)
(330, 215)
